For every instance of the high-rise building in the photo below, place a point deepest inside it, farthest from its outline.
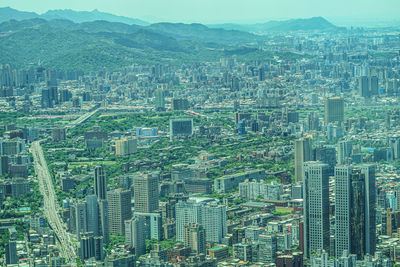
(146, 192)
(81, 218)
(334, 110)
(211, 215)
(195, 238)
(181, 127)
(125, 146)
(135, 234)
(103, 216)
(11, 252)
(119, 210)
(355, 210)
(344, 151)
(91, 247)
(363, 86)
(92, 214)
(316, 207)
(160, 99)
(100, 182)
(302, 153)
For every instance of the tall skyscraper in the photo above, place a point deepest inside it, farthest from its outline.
(11, 252)
(135, 235)
(81, 218)
(159, 99)
(355, 210)
(195, 238)
(316, 207)
(100, 182)
(92, 214)
(302, 153)
(146, 192)
(363, 86)
(334, 109)
(103, 216)
(119, 210)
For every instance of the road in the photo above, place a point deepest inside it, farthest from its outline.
(50, 205)
(82, 119)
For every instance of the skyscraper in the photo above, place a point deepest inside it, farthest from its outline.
(302, 153)
(316, 207)
(92, 214)
(159, 99)
(344, 151)
(355, 209)
(334, 109)
(195, 238)
(100, 182)
(363, 86)
(119, 210)
(146, 192)
(135, 234)
(81, 218)
(103, 216)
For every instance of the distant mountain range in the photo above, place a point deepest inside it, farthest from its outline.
(311, 24)
(8, 13)
(78, 40)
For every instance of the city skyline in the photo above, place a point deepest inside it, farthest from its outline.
(356, 13)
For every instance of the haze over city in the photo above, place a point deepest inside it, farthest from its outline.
(188, 133)
(353, 12)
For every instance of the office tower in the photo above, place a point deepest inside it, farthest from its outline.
(370, 207)
(92, 214)
(363, 86)
(91, 247)
(334, 110)
(135, 235)
(181, 127)
(103, 214)
(11, 252)
(313, 121)
(326, 155)
(180, 104)
(52, 87)
(195, 238)
(397, 195)
(146, 192)
(100, 182)
(316, 207)
(81, 218)
(99, 252)
(119, 210)
(344, 151)
(302, 153)
(211, 215)
(125, 146)
(355, 210)
(160, 99)
(373, 85)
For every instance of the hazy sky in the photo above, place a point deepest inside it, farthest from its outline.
(215, 11)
